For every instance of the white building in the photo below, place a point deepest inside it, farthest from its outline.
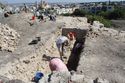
(64, 10)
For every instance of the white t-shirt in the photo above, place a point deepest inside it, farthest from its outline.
(61, 40)
(37, 13)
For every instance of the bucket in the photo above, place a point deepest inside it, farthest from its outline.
(38, 76)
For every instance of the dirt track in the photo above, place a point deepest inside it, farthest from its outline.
(119, 24)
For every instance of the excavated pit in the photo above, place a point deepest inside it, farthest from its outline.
(78, 46)
(75, 55)
(104, 50)
(25, 68)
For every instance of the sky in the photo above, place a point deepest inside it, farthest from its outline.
(26, 1)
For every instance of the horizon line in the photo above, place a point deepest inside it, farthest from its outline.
(69, 2)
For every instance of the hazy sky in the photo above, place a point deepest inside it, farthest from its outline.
(24, 1)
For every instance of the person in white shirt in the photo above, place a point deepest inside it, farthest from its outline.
(37, 14)
(61, 42)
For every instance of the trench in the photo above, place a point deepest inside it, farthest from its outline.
(78, 47)
(75, 55)
(26, 67)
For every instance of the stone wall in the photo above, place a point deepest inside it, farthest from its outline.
(80, 33)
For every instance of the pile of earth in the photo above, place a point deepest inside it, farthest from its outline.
(103, 55)
(27, 59)
(74, 22)
(9, 38)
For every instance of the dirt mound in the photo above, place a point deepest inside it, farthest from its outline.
(74, 22)
(104, 55)
(9, 38)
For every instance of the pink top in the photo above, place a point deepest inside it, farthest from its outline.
(57, 65)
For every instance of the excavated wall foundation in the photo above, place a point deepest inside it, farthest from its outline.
(78, 46)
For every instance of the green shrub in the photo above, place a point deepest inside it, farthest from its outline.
(66, 14)
(104, 14)
(117, 14)
(107, 23)
(91, 18)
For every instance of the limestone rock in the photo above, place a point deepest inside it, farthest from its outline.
(98, 24)
(60, 77)
(9, 38)
(99, 80)
(66, 77)
(77, 78)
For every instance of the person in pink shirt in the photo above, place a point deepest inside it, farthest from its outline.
(56, 64)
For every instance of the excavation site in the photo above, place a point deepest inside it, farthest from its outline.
(94, 53)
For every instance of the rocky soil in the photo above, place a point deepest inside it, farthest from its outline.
(104, 55)
(9, 38)
(101, 61)
(27, 59)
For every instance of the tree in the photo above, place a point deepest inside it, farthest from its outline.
(117, 14)
(79, 12)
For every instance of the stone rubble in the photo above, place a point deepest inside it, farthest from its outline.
(66, 77)
(96, 30)
(9, 38)
(99, 80)
(98, 24)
